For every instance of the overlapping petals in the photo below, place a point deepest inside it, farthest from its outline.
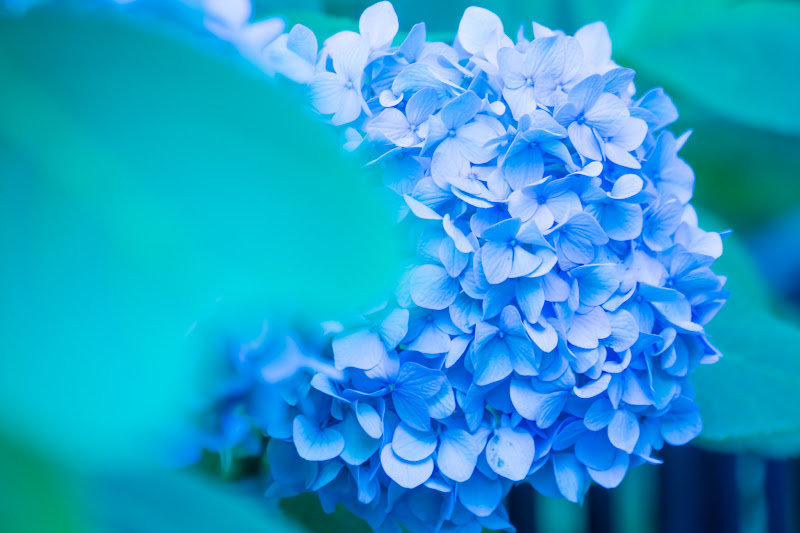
(554, 300)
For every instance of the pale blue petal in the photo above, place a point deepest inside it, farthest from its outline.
(523, 358)
(530, 298)
(593, 388)
(327, 92)
(599, 414)
(431, 340)
(476, 27)
(587, 328)
(314, 443)
(624, 331)
(433, 288)
(571, 476)
(613, 476)
(584, 141)
(394, 327)
(497, 297)
(369, 419)
(480, 495)
(493, 365)
(596, 283)
(327, 474)
(523, 262)
(529, 233)
(412, 409)
(459, 451)
(421, 106)
(585, 94)
(510, 453)
(523, 168)
(358, 349)
(392, 125)
(608, 115)
(421, 210)
(413, 445)
(358, 445)
(443, 404)
(379, 24)
(679, 428)
(497, 259)
(621, 221)
(503, 231)
(460, 110)
(303, 42)
(543, 334)
(471, 141)
(407, 474)
(419, 380)
(623, 430)
(626, 186)
(561, 207)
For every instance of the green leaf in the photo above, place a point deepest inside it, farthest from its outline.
(31, 484)
(147, 187)
(725, 183)
(165, 502)
(748, 400)
(738, 63)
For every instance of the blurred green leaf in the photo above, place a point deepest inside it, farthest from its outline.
(166, 502)
(148, 180)
(37, 497)
(740, 63)
(307, 510)
(748, 399)
(748, 176)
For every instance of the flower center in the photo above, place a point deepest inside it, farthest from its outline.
(452, 133)
(542, 200)
(529, 82)
(349, 84)
(512, 242)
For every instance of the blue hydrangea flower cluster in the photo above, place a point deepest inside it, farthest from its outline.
(551, 312)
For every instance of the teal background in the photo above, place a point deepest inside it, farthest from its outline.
(149, 179)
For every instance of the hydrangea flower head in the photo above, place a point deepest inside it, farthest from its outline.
(557, 285)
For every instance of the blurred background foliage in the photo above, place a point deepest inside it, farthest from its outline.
(188, 130)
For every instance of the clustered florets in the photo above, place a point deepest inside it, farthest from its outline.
(544, 330)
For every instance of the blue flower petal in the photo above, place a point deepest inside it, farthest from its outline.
(314, 443)
(433, 288)
(612, 476)
(369, 419)
(623, 430)
(571, 476)
(480, 494)
(510, 453)
(412, 444)
(358, 445)
(407, 474)
(358, 349)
